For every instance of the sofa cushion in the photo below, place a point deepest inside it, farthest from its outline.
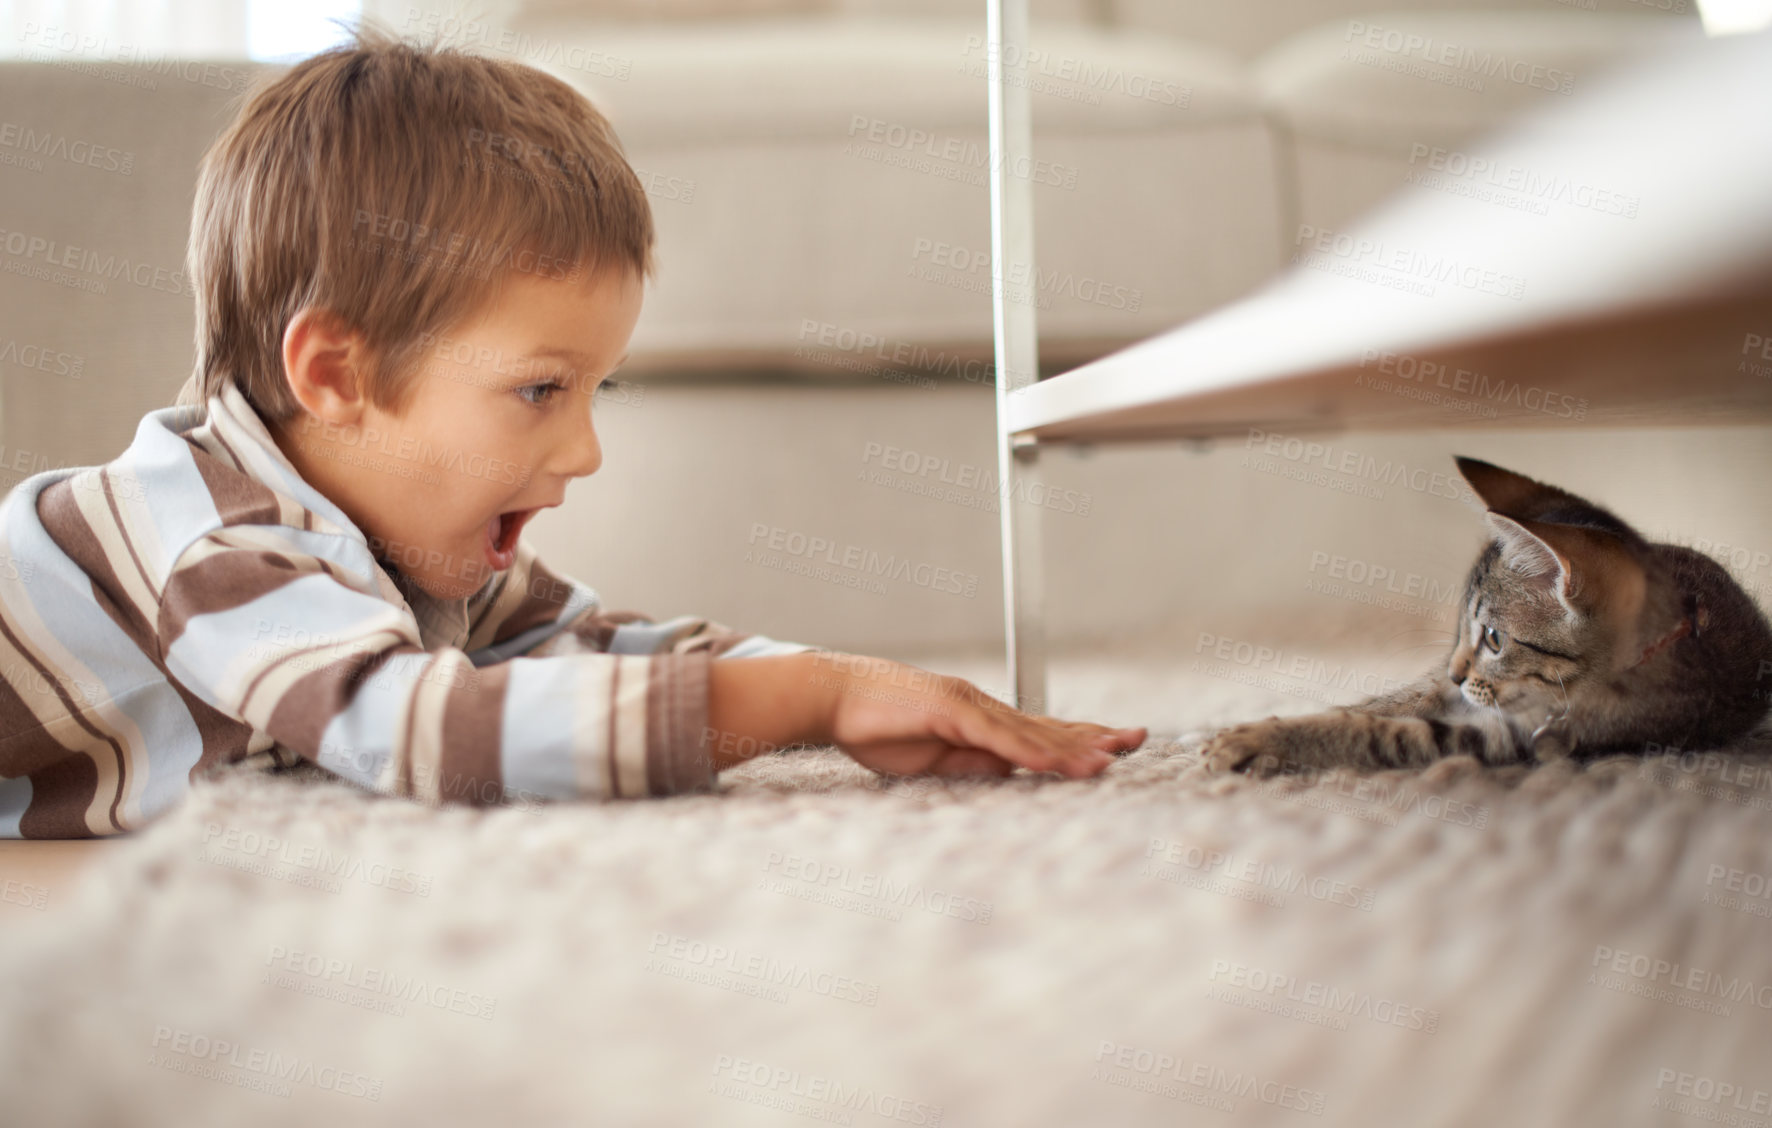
(98, 185)
(1040, 11)
(774, 246)
(836, 172)
(588, 11)
(1390, 80)
(649, 11)
(1248, 29)
(810, 77)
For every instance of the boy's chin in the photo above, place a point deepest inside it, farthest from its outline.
(450, 588)
(444, 587)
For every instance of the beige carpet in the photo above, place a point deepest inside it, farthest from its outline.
(1157, 946)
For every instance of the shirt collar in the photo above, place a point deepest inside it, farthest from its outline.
(442, 622)
(236, 423)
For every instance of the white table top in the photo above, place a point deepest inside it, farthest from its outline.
(1642, 295)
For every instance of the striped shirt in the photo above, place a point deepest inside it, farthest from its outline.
(195, 602)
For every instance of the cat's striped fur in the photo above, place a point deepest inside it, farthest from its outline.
(1575, 637)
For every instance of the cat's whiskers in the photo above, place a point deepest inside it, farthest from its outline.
(1552, 722)
(1438, 646)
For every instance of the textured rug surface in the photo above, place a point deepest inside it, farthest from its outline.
(1156, 946)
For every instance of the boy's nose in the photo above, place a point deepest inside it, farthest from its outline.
(582, 454)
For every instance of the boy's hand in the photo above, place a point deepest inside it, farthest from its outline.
(899, 720)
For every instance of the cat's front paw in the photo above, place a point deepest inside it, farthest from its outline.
(1254, 748)
(1550, 745)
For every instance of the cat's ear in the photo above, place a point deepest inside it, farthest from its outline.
(1503, 490)
(1588, 570)
(1517, 496)
(1524, 552)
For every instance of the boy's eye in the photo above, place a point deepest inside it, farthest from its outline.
(1492, 639)
(544, 391)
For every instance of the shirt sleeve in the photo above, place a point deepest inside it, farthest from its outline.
(295, 639)
(533, 610)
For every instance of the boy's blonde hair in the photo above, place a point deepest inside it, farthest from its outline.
(396, 185)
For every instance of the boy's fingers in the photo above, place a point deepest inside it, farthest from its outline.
(1131, 732)
(1101, 736)
(1074, 762)
(971, 763)
(1072, 757)
(1020, 745)
(1120, 740)
(1082, 767)
(1042, 746)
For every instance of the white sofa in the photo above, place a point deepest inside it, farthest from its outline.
(769, 226)
(838, 155)
(818, 169)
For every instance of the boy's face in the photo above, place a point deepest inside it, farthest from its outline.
(498, 423)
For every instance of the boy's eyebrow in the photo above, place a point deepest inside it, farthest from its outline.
(576, 358)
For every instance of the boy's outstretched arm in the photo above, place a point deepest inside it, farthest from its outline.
(893, 718)
(288, 632)
(302, 647)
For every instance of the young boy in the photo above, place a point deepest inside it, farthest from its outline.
(414, 269)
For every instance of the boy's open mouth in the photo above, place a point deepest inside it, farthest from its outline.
(501, 537)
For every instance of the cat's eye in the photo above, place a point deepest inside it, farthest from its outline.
(1492, 639)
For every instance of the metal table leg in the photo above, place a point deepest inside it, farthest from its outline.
(1013, 290)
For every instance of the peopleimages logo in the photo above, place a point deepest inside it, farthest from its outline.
(1253, 872)
(862, 883)
(1405, 268)
(41, 359)
(1652, 974)
(1457, 59)
(1323, 997)
(1303, 667)
(1757, 345)
(813, 1095)
(964, 483)
(1208, 1084)
(1384, 577)
(419, 452)
(36, 249)
(221, 1059)
(387, 985)
(1710, 1090)
(859, 565)
(954, 157)
(1741, 890)
(1478, 173)
(1309, 458)
(822, 340)
(763, 970)
(43, 42)
(1408, 374)
(318, 860)
(1018, 276)
(80, 152)
(1086, 81)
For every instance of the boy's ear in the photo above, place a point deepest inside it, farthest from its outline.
(324, 364)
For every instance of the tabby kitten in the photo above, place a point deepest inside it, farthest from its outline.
(1576, 636)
